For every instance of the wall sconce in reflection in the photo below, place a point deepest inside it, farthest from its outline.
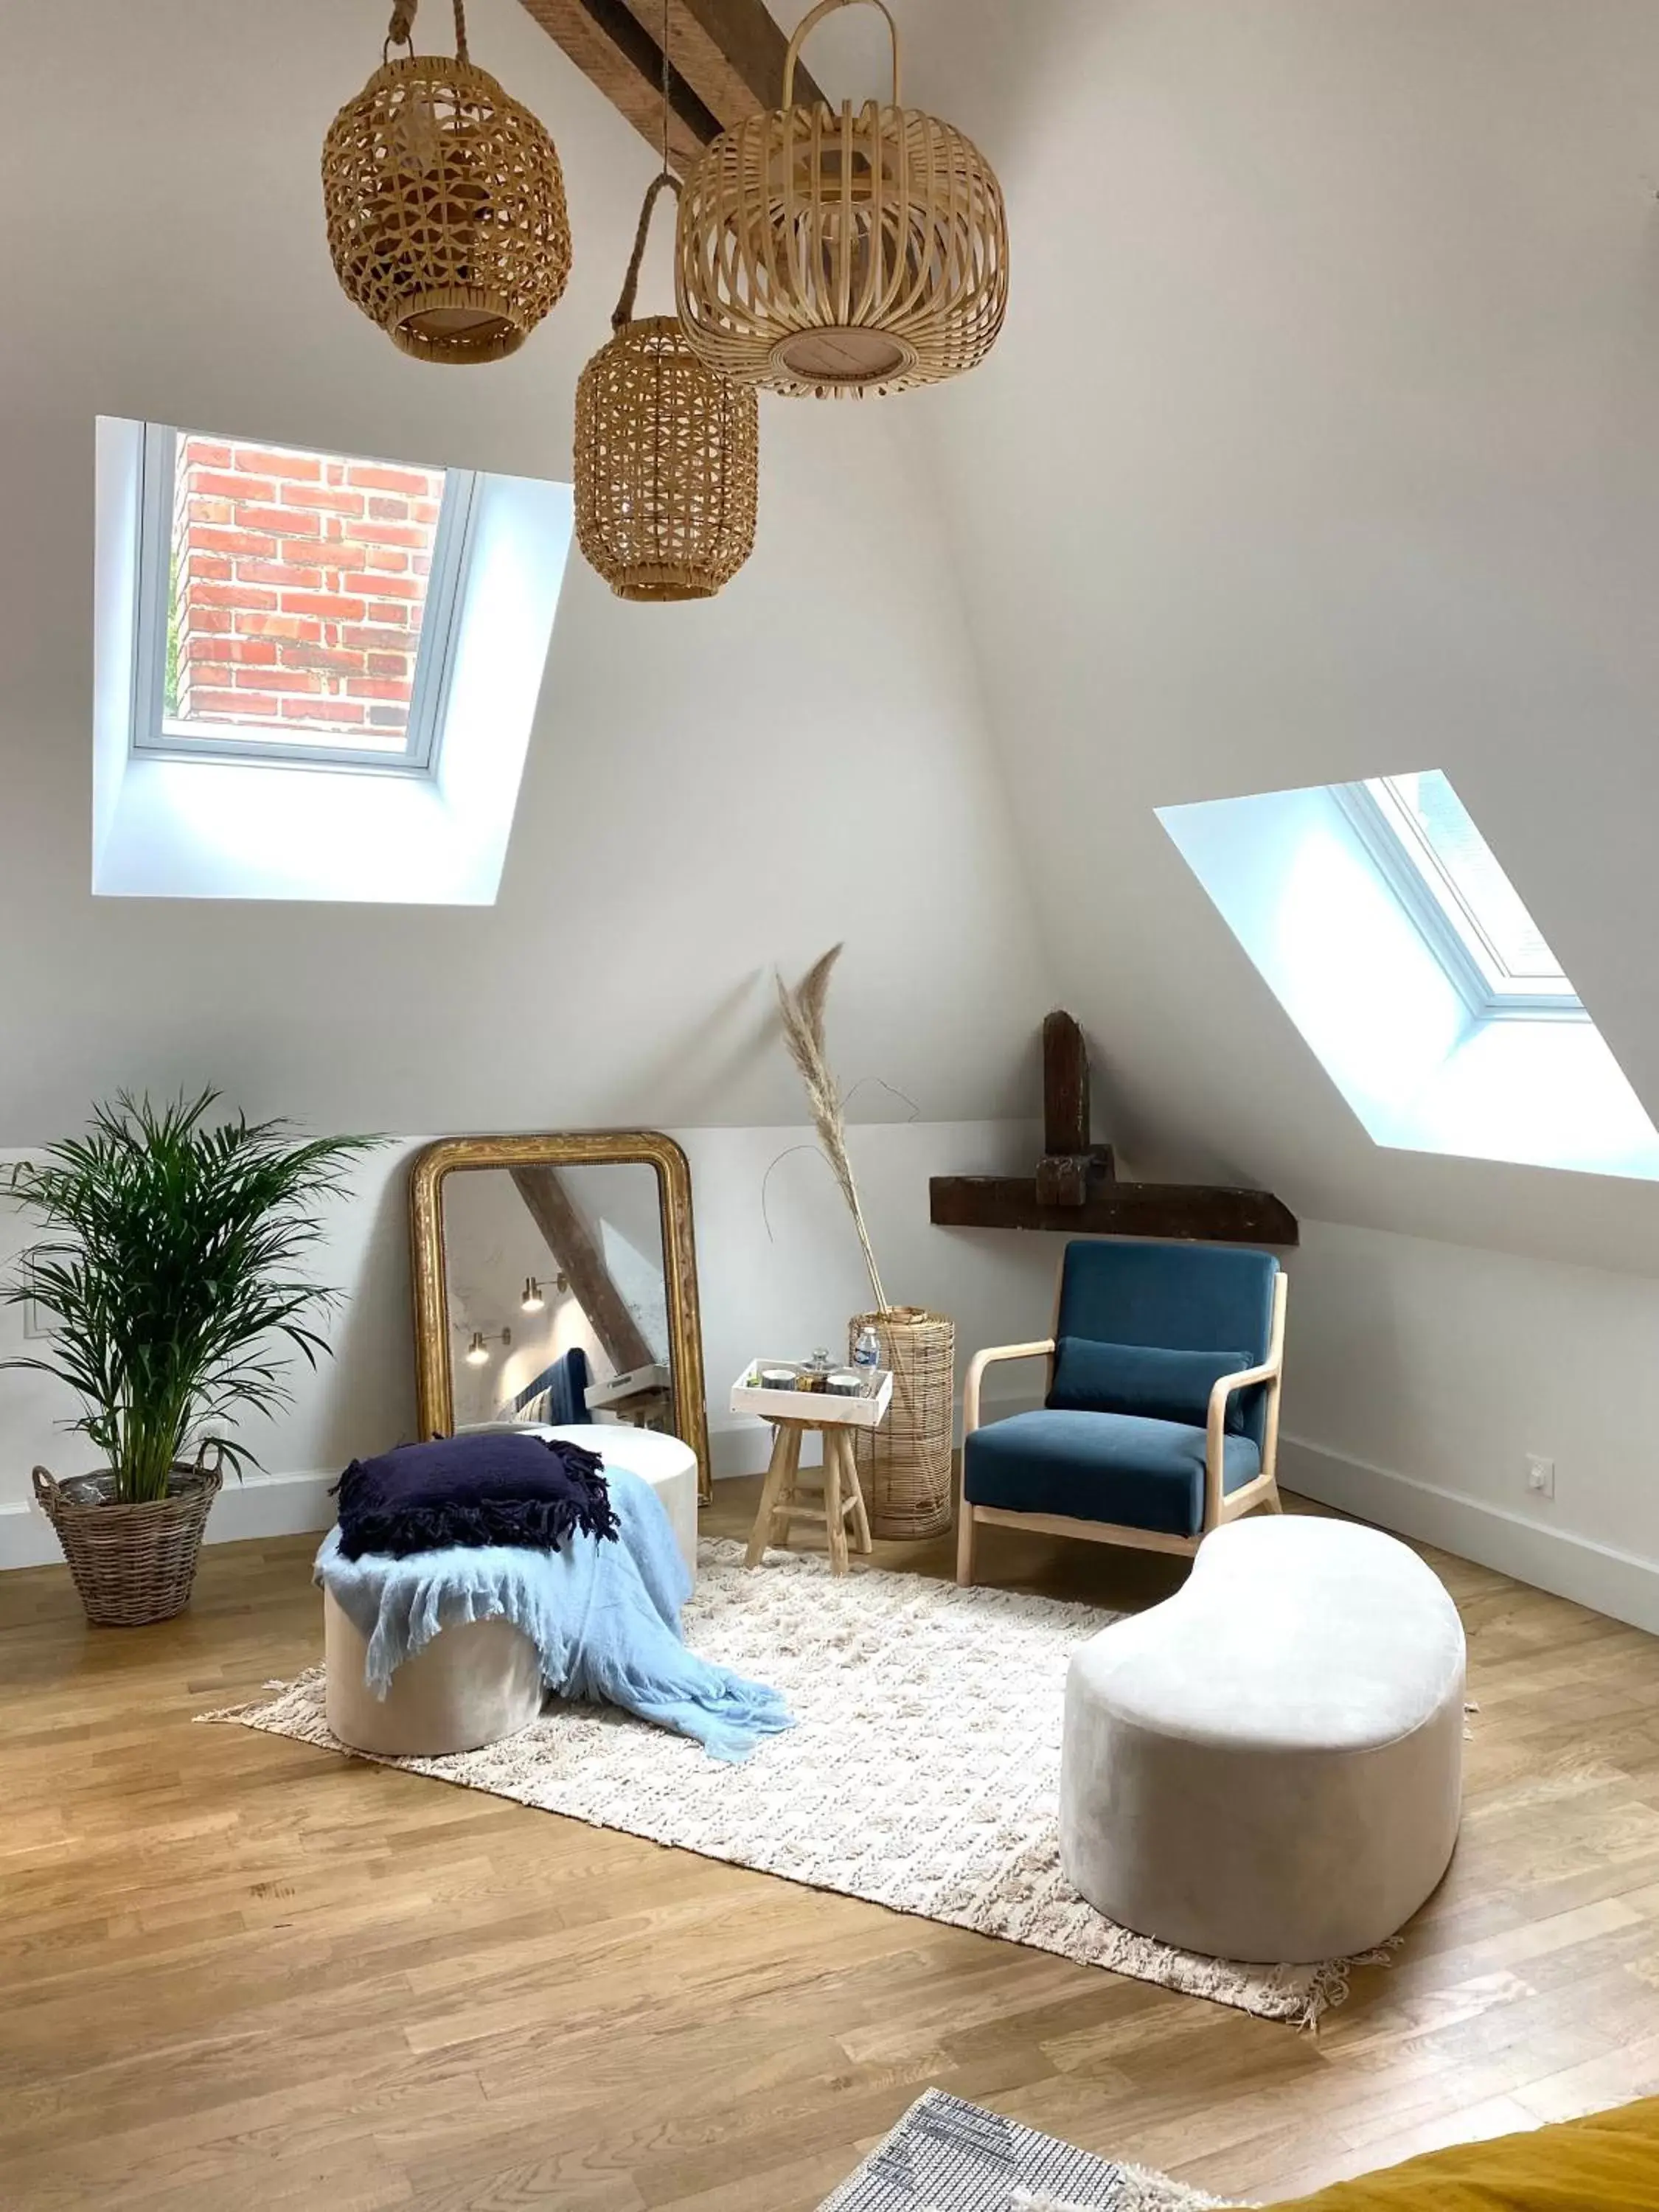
(532, 1301)
(477, 1350)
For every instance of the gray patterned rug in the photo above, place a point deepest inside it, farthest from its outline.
(923, 1773)
(948, 2156)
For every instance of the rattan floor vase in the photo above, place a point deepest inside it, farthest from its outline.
(132, 1564)
(827, 251)
(905, 1465)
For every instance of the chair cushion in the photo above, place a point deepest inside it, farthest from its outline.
(1144, 1378)
(1187, 1297)
(1606, 2163)
(1120, 1468)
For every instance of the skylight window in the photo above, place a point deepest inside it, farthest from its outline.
(1380, 919)
(1451, 883)
(294, 605)
(314, 676)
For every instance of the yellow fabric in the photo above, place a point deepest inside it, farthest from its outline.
(1606, 2163)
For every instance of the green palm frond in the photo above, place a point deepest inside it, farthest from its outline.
(172, 1264)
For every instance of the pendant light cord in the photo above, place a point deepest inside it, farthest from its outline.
(400, 30)
(665, 181)
(666, 5)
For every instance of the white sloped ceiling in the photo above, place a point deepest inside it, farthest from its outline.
(1322, 440)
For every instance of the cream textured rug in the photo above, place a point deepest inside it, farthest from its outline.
(948, 2156)
(923, 1773)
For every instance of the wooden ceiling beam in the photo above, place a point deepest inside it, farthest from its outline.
(726, 55)
(579, 1257)
(729, 52)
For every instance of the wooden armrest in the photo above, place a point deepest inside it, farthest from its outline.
(1245, 1379)
(980, 1361)
(1216, 1428)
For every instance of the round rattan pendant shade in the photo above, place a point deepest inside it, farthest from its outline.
(823, 252)
(446, 207)
(666, 457)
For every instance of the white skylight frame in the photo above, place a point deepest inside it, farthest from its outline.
(1448, 920)
(191, 824)
(155, 736)
(1315, 907)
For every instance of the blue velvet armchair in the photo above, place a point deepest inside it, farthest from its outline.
(1161, 1416)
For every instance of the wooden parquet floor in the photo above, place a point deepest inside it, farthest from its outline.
(236, 1971)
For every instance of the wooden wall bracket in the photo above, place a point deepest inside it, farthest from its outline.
(1075, 1190)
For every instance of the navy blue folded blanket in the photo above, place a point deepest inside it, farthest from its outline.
(531, 1491)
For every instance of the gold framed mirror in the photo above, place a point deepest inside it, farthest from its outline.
(554, 1278)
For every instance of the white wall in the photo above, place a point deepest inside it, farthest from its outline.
(710, 788)
(1323, 441)
(782, 1292)
(1423, 1375)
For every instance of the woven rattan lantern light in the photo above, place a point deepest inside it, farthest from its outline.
(445, 206)
(825, 252)
(666, 454)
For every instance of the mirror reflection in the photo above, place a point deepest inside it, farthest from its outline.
(556, 1297)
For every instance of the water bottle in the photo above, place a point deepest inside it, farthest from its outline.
(867, 1352)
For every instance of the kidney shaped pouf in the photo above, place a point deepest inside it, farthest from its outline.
(1268, 1766)
(479, 1680)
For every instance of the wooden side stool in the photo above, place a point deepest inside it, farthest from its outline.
(794, 1414)
(783, 1501)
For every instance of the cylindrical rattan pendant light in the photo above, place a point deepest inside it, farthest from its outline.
(667, 466)
(825, 252)
(445, 206)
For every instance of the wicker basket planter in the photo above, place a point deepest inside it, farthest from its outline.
(132, 1564)
(905, 1466)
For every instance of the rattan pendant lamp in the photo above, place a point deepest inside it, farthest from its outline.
(825, 252)
(445, 206)
(667, 464)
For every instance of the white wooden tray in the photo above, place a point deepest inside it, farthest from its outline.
(819, 1406)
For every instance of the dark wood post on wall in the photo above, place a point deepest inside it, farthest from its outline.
(1075, 1188)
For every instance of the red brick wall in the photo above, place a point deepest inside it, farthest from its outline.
(300, 586)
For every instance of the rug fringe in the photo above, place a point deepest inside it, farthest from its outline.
(1330, 1982)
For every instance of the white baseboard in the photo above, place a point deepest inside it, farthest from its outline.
(1607, 1580)
(260, 1505)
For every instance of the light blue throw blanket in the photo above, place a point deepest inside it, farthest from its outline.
(604, 1616)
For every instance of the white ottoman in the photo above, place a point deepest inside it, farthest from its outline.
(480, 1680)
(475, 1683)
(669, 1466)
(1268, 1766)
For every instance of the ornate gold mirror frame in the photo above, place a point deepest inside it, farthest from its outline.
(433, 1375)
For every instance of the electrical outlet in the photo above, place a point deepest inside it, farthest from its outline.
(1540, 1476)
(35, 1322)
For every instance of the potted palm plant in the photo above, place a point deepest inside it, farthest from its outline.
(170, 1269)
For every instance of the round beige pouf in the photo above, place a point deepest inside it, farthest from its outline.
(480, 1680)
(1268, 1766)
(669, 1466)
(473, 1684)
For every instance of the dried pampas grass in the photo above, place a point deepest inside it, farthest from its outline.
(802, 1010)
